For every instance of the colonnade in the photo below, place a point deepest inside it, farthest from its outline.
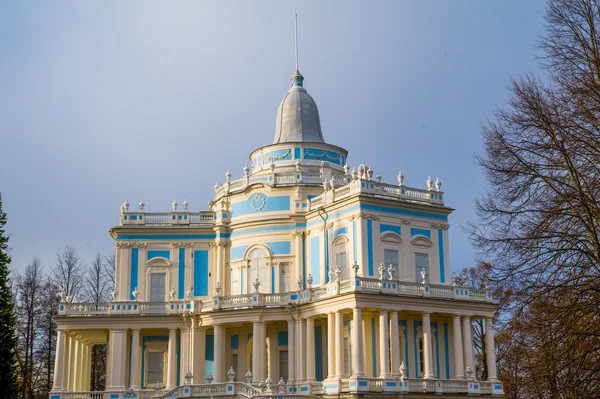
(72, 365)
(73, 352)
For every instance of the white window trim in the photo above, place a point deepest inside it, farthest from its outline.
(156, 346)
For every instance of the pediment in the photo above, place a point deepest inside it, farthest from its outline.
(421, 241)
(159, 261)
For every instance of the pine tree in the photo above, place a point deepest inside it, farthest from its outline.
(9, 380)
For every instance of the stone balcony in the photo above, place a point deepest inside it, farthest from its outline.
(354, 385)
(343, 187)
(259, 300)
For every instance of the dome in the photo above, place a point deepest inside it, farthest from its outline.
(298, 116)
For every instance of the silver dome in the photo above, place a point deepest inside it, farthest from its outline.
(298, 116)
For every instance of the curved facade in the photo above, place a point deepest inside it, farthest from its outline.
(321, 279)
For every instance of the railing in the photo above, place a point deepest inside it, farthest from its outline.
(380, 190)
(322, 292)
(371, 385)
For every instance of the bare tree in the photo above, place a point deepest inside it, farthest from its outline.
(97, 289)
(29, 287)
(539, 224)
(68, 272)
(109, 268)
(46, 337)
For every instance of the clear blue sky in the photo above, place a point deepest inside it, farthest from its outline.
(106, 101)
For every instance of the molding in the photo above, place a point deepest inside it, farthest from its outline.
(130, 244)
(443, 226)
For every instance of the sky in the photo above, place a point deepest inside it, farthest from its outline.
(106, 101)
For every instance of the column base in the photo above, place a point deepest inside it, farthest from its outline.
(358, 384)
(332, 387)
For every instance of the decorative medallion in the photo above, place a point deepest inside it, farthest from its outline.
(258, 202)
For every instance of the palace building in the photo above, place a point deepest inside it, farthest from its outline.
(305, 277)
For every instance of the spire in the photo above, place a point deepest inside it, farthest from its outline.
(297, 78)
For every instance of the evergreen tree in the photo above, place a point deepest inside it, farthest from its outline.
(9, 381)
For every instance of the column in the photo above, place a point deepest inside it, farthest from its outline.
(310, 349)
(184, 358)
(172, 358)
(395, 342)
(331, 346)
(467, 342)
(298, 263)
(258, 352)
(88, 378)
(66, 362)
(291, 350)
(199, 354)
(384, 344)
(459, 366)
(219, 353)
(300, 349)
(339, 345)
(219, 270)
(427, 349)
(59, 362)
(135, 359)
(76, 364)
(117, 352)
(358, 355)
(490, 352)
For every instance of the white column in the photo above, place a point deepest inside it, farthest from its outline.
(467, 342)
(300, 349)
(490, 352)
(76, 363)
(291, 350)
(310, 349)
(184, 358)
(135, 359)
(427, 348)
(199, 354)
(117, 351)
(384, 345)
(66, 362)
(258, 352)
(88, 378)
(331, 346)
(358, 355)
(339, 345)
(459, 366)
(172, 358)
(298, 266)
(219, 353)
(83, 366)
(59, 362)
(395, 342)
(219, 269)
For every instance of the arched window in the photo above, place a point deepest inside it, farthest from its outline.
(390, 246)
(257, 269)
(340, 249)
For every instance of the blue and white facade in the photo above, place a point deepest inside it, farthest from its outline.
(315, 277)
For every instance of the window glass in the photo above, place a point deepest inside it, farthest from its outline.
(257, 268)
(390, 257)
(155, 367)
(340, 261)
(157, 287)
(284, 277)
(346, 356)
(421, 357)
(422, 262)
(283, 365)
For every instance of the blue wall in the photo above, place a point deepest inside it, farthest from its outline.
(181, 287)
(201, 273)
(271, 204)
(160, 253)
(133, 281)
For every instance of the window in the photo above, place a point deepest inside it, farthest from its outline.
(421, 357)
(284, 277)
(235, 287)
(340, 261)
(234, 362)
(346, 357)
(157, 287)
(283, 365)
(390, 257)
(257, 268)
(422, 263)
(155, 367)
